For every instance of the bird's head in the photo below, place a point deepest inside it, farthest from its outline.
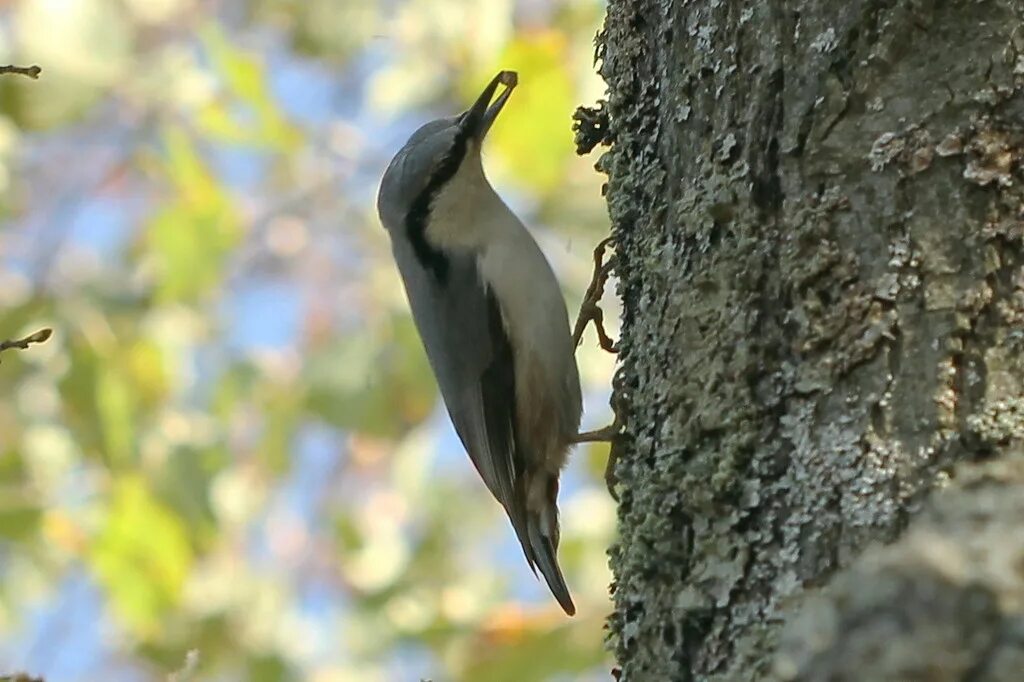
(434, 153)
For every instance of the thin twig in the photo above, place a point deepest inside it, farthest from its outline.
(30, 71)
(38, 337)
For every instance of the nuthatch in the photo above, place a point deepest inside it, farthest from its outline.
(492, 319)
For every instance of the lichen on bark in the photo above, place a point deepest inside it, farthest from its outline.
(819, 221)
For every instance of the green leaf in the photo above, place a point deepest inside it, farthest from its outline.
(268, 667)
(191, 236)
(184, 482)
(245, 79)
(282, 412)
(19, 514)
(115, 405)
(78, 390)
(20, 521)
(141, 556)
(376, 382)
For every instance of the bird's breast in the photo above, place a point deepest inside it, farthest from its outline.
(466, 213)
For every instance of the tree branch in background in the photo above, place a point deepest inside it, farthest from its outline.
(30, 71)
(38, 337)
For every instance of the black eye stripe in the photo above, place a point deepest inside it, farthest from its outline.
(419, 211)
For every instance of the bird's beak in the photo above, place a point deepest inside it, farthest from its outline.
(479, 117)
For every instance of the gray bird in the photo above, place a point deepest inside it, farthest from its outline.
(492, 319)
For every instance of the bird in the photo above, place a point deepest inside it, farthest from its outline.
(492, 318)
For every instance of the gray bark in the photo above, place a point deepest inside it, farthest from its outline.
(820, 229)
(943, 604)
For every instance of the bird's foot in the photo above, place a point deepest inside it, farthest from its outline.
(603, 435)
(611, 434)
(590, 309)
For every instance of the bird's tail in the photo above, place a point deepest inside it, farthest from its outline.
(540, 539)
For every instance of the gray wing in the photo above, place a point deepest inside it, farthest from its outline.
(462, 330)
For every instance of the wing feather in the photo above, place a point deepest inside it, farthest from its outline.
(462, 329)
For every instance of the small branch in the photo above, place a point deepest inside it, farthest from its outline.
(30, 71)
(38, 337)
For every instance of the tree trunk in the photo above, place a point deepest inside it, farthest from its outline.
(820, 231)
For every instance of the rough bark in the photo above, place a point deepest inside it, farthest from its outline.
(943, 604)
(820, 228)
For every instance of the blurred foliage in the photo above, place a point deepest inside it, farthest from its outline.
(232, 444)
(540, 114)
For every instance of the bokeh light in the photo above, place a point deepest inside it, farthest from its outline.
(230, 461)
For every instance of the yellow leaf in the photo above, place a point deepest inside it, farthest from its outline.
(146, 367)
(539, 112)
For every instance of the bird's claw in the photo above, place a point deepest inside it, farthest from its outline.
(590, 309)
(611, 434)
